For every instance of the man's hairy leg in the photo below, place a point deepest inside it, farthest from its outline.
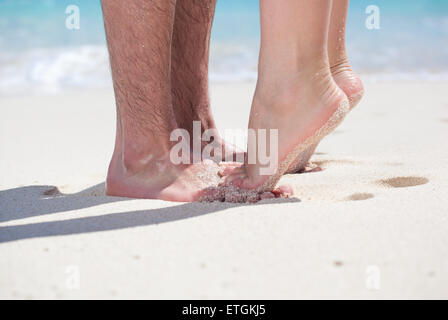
(189, 69)
(139, 36)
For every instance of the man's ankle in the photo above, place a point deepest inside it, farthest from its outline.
(135, 158)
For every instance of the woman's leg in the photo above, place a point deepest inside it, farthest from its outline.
(342, 72)
(295, 91)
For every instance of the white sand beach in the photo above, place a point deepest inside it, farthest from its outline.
(372, 224)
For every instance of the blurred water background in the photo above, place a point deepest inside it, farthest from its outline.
(38, 54)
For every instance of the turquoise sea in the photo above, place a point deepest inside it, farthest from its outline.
(39, 54)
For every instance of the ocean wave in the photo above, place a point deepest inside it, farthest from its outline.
(46, 71)
(52, 70)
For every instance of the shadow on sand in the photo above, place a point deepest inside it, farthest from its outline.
(32, 201)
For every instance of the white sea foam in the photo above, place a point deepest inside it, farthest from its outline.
(51, 70)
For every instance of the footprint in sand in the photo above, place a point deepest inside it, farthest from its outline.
(360, 196)
(324, 163)
(397, 182)
(54, 191)
(404, 182)
(93, 191)
(317, 166)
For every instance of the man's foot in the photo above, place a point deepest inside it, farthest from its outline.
(351, 84)
(158, 178)
(303, 107)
